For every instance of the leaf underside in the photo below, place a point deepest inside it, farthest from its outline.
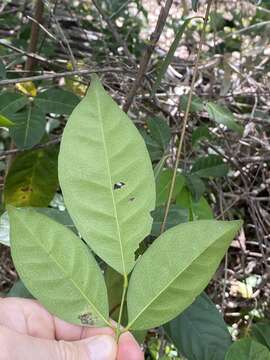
(175, 269)
(109, 190)
(57, 268)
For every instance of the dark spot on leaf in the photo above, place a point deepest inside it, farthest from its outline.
(87, 319)
(118, 185)
(27, 189)
(132, 199)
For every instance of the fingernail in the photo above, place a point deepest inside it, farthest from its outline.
(101, 347)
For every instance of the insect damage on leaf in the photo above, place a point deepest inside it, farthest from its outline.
(118, 185)
(88, 319)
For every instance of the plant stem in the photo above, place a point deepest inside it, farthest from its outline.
(179, 150)
(118, 329)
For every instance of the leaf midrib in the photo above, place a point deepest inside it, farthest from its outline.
(66, 274)
(111, 182)
(168, 285)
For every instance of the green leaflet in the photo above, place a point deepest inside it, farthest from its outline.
(199, 210)
(109, 190)
(223, 115)
(32, 179)
(19, 290)
(160, 131)
(57, 101)
(5, 122)
(196, 103)
(210, 166)
(163, 184)
(57, 268)
(247, 349)
(176, 215)
(261, 332)
(190, 252)
(200, 332)
(11, 102)
(29, 126)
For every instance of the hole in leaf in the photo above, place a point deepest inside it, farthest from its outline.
(118, 185)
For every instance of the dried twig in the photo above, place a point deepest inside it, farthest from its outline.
(164, 12)
(4, 154)
(39, 8)
(57, 75)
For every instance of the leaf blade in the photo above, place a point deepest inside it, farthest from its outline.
(32, 179)
(185, 275)
(123, 201)
(200, 332)
(42, 251)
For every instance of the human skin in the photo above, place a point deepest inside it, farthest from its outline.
(29, 332)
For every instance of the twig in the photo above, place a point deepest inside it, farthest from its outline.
(6, 153)
(63, 37)
(57, 75)
(113, 29)
(30, 55)
(155, 36)
(39, 8)
(179, 150)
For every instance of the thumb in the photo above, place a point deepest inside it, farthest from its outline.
(23, 347)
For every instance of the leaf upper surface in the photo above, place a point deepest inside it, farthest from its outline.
(200, 332)
(175, 269)
(109, 190)
(57, 268)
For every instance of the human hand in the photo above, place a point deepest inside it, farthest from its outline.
(29, 332)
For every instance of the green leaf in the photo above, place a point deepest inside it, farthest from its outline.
(58, 268)
(11, 102)
(156, 152)
(196, 103)
(2, 70)
(222, 115)
(109, 190)
(195, 4)
(114, 283)
(200, 332)
(210, 166)
(163, 186)
(29, 126)
(57, 101)
(61, 217)
(195, 185)
(198, 210)
(247, 349)
(176, 215)
(175, 269)
(169, 57)
(19, 290)
(200, 133)
(261, 333)
(5, 122)
(160, 131)
(32, 179)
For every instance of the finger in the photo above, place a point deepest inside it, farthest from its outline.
(128, 348)
(30, 318)
(15, 346)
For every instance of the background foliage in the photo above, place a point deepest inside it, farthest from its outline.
(224, 167)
